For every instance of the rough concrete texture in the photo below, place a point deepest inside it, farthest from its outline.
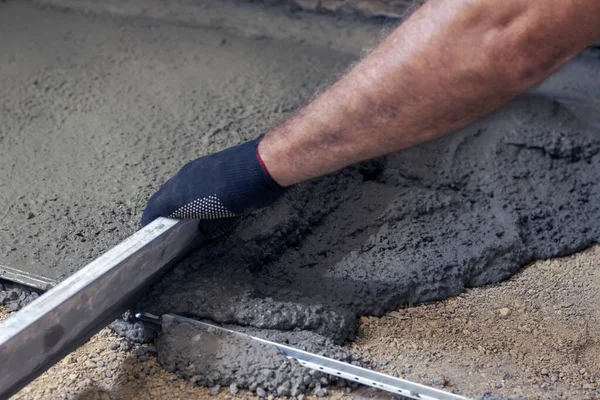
(421, 225)
(123, 103)
(223, 357)
(367, 8)
(13, 297)
(101, 111)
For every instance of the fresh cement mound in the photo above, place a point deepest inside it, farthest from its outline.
(421, 225)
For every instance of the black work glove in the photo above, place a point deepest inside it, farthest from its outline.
(222, 186)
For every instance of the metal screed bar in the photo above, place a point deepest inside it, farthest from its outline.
(333, 367)
(26, 278)
(56, 323)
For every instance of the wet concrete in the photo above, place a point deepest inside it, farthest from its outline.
(421, 225)
(97, 111)
(97, 115)
(224, 357)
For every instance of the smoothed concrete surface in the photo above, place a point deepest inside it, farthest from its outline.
(97, 111)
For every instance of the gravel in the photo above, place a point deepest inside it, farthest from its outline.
(260, 392)
(233, 389)
(215, 390)
(14, 297)
(439, 380)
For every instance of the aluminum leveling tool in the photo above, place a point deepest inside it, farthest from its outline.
(56, 323)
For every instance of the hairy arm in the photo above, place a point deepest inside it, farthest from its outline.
(449, 64)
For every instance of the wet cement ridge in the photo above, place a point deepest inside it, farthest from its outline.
(421, 225)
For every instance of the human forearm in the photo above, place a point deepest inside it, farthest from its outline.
(449, 64)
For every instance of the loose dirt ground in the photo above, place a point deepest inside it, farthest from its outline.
(535, 335)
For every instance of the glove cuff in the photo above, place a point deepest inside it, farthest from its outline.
(252, 187)
(262, 163)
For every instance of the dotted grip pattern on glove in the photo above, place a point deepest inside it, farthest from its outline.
(206, 208)
(224, 185)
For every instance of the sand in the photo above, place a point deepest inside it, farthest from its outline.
(535, 335)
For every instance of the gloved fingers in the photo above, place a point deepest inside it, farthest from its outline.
(158, 206)
(212, 228)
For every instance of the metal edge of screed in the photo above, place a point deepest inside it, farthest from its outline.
(26, 278)
(330, 366)
(57, 322)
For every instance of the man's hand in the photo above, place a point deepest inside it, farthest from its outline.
(224, 185)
